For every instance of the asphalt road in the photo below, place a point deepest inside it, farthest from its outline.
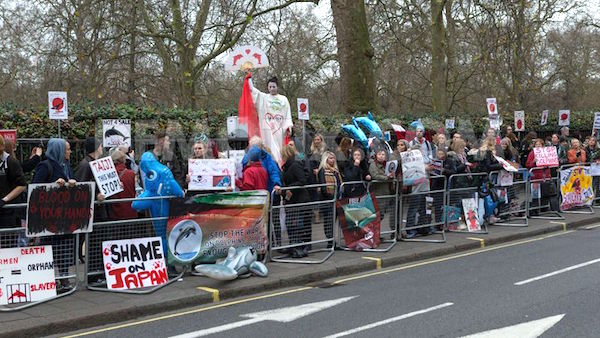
(470, 293)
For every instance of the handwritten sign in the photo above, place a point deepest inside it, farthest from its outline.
(58, 108)
(205, 174)
(54, 210)
(134, 263)
(545, 156)
(26, 274)
(116, 133)
(106, 176)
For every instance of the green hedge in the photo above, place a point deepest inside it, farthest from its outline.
(84, 120)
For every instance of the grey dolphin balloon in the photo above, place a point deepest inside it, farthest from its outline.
(240, 262)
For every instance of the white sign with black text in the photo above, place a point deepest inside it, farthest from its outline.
(106, 176)
(26, 274)
(116, 133)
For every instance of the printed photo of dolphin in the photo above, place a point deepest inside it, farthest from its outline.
(114, 132)
(184, 233)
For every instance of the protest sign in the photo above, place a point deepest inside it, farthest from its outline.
(452, 215)
(545, 156)
(471, 214)
(576, 187)
(106, 176)
(208, 174)
(246, 57)
(495, 122)
(413, 167)
(116, 133)
(597, 120)
(390, 167)
(57, 106)
(544, 120)
(9, 135)
(26, 274)
(595, 169)
(449, 123)
(215, 222)
(506, 165)
(519, 120)
(237, 156)
(360, 222)
(438, 166)
(303, 109)
(505, 178)
(54, 210)
(492, 106)
(564, 117)
(134, 263)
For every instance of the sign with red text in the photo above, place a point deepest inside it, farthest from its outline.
(57, 106)
(545, 156)
(106, 176)
(55, 210)
(544, 120)
(26, 274)
(9, 135)
(519, 120)
(134, 263)
(303, 111)
(564, 117)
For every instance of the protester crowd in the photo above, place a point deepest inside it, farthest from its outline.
(320, 163)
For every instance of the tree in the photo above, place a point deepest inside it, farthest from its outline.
(355, 55)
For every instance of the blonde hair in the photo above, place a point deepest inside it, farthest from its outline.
(118, 156)
(255, 141)
(458, 146)
(325, 165)
(288, 152)
(321, 149)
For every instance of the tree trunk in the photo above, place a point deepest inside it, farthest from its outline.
(131, 97)
(355, 55)
(438, 58)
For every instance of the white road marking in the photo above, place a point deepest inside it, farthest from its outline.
(557, 272)
(530, 329)
(390, 320)
(283, 315)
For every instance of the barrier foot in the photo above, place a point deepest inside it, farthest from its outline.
(424, 240)
(509, 222)
(586, 210)
(549, 215)
(286, 259)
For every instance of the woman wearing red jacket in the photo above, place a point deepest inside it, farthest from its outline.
(254, 176)
(544, 178)
(127, 176)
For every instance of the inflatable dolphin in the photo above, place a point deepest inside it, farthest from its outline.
(368, 123)
(357, 134)
(158, 181)
(240, 262)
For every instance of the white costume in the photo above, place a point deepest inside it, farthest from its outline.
(274, 119)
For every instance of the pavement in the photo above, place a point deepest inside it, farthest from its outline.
(86, 308)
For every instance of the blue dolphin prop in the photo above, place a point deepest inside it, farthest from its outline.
(417, 124)
(158, 181)
(357, 134)
(368, 123)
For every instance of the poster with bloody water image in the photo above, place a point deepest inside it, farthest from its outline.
(471, 214)
(360, 222)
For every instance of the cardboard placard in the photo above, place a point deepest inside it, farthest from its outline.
(209, 174)
(54, 210)
(106, 176)
(116, 133)
(545, 156)
(58, 109)
(134, 263)
(471, 215)
(26, 274)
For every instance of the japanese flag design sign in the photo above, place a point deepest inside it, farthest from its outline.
(519, 120)
(303, 109)
(492, 106)
(544, 120)
(564, 117)
(57, 106)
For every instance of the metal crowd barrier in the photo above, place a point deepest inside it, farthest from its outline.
(424, 212)
(388, 208)
(514, 212)
(292, 226)
(462, 186)
(586, 209)
(596, 184)
(537, 205)
(119, 230)
(64, 251)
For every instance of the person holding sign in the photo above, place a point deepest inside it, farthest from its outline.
(540, 175)
(254, 175)
(592, 151)
(377, 171)
(83, 172)
(12, 184)
(274, 116)
(127, 177)
(576, 154)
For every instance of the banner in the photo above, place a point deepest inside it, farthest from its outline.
(303, 109)
(9, 135)
(134, 263)
(58, 108)
(116, 133)
(594, 169)
(413, 168)
(54, 210)
(545, 156)
(106, 176)
(360, 222)
(203, 227)
(519, 120)
(576, 187)
(207, 174)
(26, 274)
(564, 117)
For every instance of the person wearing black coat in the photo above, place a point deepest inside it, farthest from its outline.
(357, 170)
(297, 216)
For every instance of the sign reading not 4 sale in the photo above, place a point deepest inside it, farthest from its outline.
(106, 176)
(134, 263)
(26, 274)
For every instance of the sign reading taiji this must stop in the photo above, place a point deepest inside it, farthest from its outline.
(106, 176)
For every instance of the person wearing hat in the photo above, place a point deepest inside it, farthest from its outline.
(422, 143)
(254, 176)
